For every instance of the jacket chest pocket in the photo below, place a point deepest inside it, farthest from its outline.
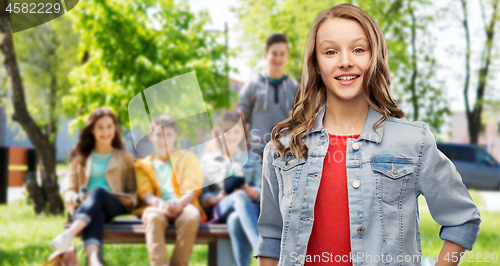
(289, 172)
(391, 179)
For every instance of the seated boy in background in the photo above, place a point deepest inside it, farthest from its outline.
(159, 186)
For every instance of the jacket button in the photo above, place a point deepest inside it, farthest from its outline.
(355, 184)
(361, 230)
(394, 170)
(355, 146)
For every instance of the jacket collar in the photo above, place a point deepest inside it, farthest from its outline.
(113, 163)
(263, 77)
(367, 132)
(174, 155)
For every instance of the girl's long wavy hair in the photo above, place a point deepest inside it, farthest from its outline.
(311, 94)
(86, 140)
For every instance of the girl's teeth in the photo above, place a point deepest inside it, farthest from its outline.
(346, 78)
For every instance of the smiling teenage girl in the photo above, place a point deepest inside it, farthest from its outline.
(99, 164)
(342, 176)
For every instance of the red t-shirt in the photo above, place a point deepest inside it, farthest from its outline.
(330, 239)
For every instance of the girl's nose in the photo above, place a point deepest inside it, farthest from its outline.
(345, 61)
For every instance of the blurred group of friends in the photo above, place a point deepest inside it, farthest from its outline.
(172, 186)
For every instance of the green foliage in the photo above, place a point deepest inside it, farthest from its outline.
(25, 238)
(128, 46)
(425, 98)
(46, 55)
(260, 18)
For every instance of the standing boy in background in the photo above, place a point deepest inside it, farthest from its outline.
(268, 98)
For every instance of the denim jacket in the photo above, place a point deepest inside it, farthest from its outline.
(385, 175)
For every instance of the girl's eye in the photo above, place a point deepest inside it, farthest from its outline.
(330, 52)
(358, 49)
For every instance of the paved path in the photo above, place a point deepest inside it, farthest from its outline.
(491, 199)
(16, 193)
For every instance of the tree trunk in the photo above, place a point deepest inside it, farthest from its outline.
(45, 151)
(474, 116)
(413, 86)
(35, 192)
(52, 99)
(474, 120)
(52, 123)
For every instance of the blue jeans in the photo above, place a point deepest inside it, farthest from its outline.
(241, 215)
(99, 207)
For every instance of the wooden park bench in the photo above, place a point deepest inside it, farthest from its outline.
(132, 232)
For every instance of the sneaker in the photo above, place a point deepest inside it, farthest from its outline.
(62, 242)
(94, 261)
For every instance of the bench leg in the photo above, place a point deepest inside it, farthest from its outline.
(220, 253)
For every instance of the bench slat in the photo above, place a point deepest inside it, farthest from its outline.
(131, 233)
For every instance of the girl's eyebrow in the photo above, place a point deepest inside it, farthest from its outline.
(353, 41)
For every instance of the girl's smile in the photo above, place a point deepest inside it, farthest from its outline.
(347, 79)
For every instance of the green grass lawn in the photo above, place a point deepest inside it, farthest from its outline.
(488, 239)
(61, 167)
(24, 239)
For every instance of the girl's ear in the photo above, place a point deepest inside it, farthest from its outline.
(265, 55)
(317, 70)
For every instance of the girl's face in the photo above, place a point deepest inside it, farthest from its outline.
(277, 56)
(233, 135)
(343, 54)
(104, 130)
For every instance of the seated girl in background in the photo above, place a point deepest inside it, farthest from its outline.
(239, 209)
(100, 184)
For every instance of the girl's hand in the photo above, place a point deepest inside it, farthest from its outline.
(213, 200)
(82, 197)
